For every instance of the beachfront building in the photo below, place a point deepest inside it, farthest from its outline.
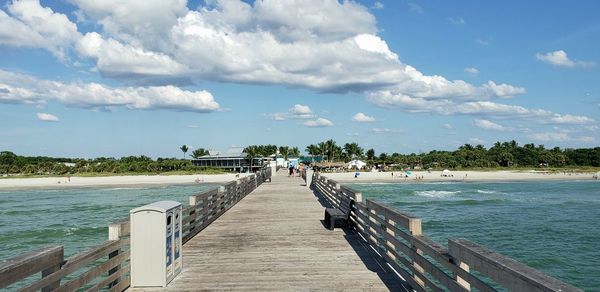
(234, 159)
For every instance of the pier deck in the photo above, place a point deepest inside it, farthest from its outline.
(274, 240)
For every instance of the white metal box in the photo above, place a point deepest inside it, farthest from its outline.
(155, 244)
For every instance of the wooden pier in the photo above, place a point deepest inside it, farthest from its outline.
(274, 240)
(253, 235)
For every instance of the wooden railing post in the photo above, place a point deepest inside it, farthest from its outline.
(51, 270)
(115, 232)
(414, 226)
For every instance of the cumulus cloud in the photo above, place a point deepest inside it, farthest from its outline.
(561, 59)
(320, 122)
(447, 126)
(336, 49)
(297, 111)
(472, 70)
(403, 102)
(27, 89)
(489, 125)
(31, 25)
(300, 111)
(47, 117)
(362, 118)
(328, 46)
(117, 59)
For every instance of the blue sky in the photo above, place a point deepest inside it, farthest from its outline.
(84, 78)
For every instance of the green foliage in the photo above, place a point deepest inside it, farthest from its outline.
(506, 154)
(184, 149)
(199, 153)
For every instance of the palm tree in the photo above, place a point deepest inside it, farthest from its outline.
(284, 151)
(199, 153)
(331, 146)
(322, 149)
(185, 149)
(353, 150)
(251, 153)
(295, 152)
(370, 155)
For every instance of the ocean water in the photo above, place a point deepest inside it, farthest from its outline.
(74, 218)
(551, 226)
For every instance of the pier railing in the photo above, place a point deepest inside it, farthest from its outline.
(397, 238)
(106, 266)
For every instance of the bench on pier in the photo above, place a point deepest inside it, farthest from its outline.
(339, 217)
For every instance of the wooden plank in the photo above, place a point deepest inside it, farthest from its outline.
(112, 278)
(94, 273)
(22, 266)
(76, 262)
(440, 255)
(507, 272)
(273, 240)
(407, 221)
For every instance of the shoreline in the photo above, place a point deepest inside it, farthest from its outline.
(457, 176)
(132, 181)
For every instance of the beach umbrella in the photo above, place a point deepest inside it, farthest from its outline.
(446, 172)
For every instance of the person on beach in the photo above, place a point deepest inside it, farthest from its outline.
(291, 168)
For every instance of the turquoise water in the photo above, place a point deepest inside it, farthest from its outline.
(551, 226)
(75, 218)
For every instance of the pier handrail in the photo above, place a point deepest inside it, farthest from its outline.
(398, 239)
(106, 266)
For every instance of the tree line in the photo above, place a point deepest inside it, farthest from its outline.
(11, 163)
(501, 154)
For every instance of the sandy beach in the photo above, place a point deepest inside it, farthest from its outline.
(475, 176)
(111, 181)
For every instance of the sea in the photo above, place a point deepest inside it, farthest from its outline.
(549, 225)
(75, 218)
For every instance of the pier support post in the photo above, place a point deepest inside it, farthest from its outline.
(414, 226)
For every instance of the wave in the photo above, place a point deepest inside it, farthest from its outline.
(486, 192)
(436, 194)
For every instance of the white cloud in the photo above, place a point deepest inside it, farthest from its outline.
(403, 102)
(47, 117)
(447, 126)
(472, 70)
(476, 141)
(561, 59)
(22, 88)
(297, 111)
(385, 131)
(570, 119)
(32, 25)
(362, 118)
(502, 90)
(489, 125)
(457, 20)
(551, 137)
(320, 122)
(116, 59)
(267, 42)
(377, 5)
